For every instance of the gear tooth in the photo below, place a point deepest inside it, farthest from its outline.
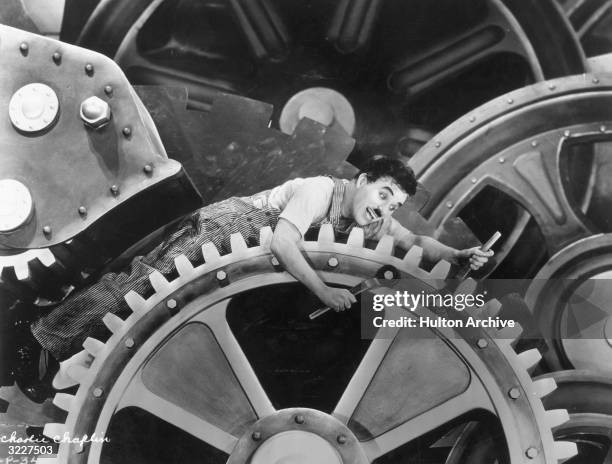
(63, 401)
(491, 308)
(326, 234)
(112, 322)
(46, 257)
(237, 243)
(529, 358)
(565, 450)
(544, 387)
(183, 265)
(556, 417)
(467, 287)
(93, 346)
(22, 270)
(385, 245)
(158, 281)
(265, 236)
(66, 376)
(440, 270)
(210, 252)
(414, 255)
(53, 430)
(356, 237)
(137, 303)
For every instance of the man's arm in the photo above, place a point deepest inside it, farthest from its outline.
(285, 246)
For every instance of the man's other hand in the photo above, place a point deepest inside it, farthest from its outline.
(477, 257)
(338, 299)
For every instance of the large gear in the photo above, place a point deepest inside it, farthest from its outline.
(387, 403)
(531, 154)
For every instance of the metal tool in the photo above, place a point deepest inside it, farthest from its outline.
(485, 247)
(356, 290)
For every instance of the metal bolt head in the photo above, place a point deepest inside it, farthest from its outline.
(474, 180)
(502, 160)
(438, 144)
(57, 57)
(16, 205)
(534, 143)
(482, 343)
(24, 47)
(299, 419)
(531, 452)
(89, 69)
(602, 128)
(171, 303)
(332, 262)
(566, 133)
(595, 80)
(514, 393)
(126, 131)
(256, 436)
(510, 101)
(95, 112)
(449, 204)
(82, 210)
(341, 439)
(114, 190)
(33, 107)
(221, 275)
(47, 230)
(388, 275)
(98, 392)
(472, 118)
(108, 89)
(129, 342)
(552, 86)
(148, 169)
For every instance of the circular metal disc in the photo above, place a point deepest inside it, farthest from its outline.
(33, 108)
(296, 447)
(15, 205)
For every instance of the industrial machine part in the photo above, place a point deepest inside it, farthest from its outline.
(195, 356)
(531, 164)
(570, 299)
(591, 19)
(395, 66)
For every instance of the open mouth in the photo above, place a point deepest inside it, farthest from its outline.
(372, 214)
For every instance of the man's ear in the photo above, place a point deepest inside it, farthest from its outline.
(362, 179)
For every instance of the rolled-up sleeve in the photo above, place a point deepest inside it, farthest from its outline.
(309, 203)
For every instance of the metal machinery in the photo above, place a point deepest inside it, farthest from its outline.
(210, 359)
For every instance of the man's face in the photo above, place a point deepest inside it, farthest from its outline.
(376, 200)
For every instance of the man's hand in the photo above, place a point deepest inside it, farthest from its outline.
(338, 299)
(477, 257)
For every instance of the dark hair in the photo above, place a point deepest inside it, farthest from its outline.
(382, 166)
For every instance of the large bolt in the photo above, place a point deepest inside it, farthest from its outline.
(95, 112)
(531, 452)
(15, 205)
(299, 419)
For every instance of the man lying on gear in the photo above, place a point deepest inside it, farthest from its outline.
(366, 201)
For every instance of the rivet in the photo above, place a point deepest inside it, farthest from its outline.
(482, 343)
(552, 86)
(299, 419)
(57, 57)
(333, 262)
(98, 392)
(129, 342)
(472, 118)
(531, 452)
(595, 80)
(474, 180)
(47, 230)
(438, 144)
(510, 101)
(23, 47)
(126, 131)
(114, 190)
(534, 143)
(602, 128)
(388, 275)
(449, 204)
(256, 436)
(232, 146)
(108, 89)
(171, 303)
(89, 69)
(148, 169)
(502, 160)
(566, 133)
(341, 439)
(82, 210)
(221, 275)
(514, 393)
(275, 261)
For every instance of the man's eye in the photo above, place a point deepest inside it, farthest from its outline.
(383, 195)
(392, 208)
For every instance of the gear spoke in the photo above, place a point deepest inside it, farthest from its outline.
(475, 397)
(497, 33)
(138, 395)
(353, 23)
(215, 319)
